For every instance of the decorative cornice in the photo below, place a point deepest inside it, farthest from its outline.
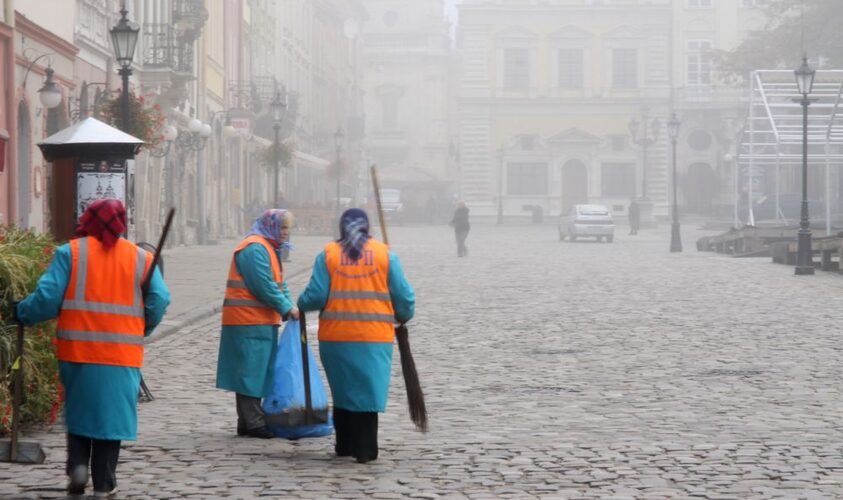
(32, 30)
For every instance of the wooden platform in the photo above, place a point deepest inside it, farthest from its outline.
(780, 243)
(747, 241)
(828, 248)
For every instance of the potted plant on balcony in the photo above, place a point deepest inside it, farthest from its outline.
(146, 121)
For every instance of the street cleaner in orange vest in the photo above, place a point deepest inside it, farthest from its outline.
(360, 290)
(256, 300)
(93, 286)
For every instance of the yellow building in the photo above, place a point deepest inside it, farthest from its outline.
(546, 96)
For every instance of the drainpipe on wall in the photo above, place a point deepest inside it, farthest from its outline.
(202, 231)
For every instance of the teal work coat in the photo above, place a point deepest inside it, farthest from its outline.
(358, 372)
(100, 400)
(247, 352)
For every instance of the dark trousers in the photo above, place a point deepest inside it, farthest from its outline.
(100, 453)
(357, 434)
(249, 413)
(462, 250)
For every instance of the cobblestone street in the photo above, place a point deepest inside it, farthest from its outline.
(551, 369)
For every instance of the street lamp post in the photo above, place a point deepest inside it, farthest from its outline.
(338, 137)
(644, 133)
(278, 105)
(49, 94)
(804, 256)
(124, 37)
(500, 187)
(675, 235)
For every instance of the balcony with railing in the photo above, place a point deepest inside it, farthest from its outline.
(189, 17)
(165, 49)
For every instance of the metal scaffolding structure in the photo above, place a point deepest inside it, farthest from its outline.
(771, 138)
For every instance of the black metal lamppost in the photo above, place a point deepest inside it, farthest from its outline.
(278, 106)
(500, 187)
(804, 257)
(338, 138)
(675, 235)
(124, 38)
(644, 136)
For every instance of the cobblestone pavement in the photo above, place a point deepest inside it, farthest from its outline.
(551, 369)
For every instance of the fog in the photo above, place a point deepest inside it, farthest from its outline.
(521, 109)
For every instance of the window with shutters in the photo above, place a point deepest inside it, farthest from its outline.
(618, 179)
(624, 68)
(389, 108)
(516, 68)
(527, 178)
(699, 62)
(570, 67)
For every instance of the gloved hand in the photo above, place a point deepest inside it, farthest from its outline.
(15, 313)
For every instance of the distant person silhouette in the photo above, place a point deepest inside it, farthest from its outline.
(461, 228)
(634, 217)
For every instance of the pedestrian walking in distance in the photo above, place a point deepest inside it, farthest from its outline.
(461, 228)
(93, 286)
(256, 299)
(634, 214)
(360, 290)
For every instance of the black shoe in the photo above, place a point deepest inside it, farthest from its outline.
(261, 433)
(241, 429)
(364, 459)
(342, 452)
(77, 480)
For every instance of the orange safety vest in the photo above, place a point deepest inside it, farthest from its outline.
(240, 307)
(102, 316)
(359, 308)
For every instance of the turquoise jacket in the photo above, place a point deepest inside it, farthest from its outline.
(358, 372)
(100, 400)
(247, 353)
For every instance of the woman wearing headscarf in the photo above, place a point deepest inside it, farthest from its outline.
(360, 290)
(256, 300)
(93, 286)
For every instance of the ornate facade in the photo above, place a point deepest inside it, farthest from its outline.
(546, 93)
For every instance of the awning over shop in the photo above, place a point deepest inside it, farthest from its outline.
(311, 160)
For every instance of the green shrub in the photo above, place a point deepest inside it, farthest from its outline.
(24, 256)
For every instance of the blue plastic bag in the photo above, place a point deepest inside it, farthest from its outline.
(285, 404)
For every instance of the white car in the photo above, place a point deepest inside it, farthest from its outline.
(593, 221)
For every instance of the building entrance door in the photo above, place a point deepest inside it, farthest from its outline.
(574, 183)
(700, 188)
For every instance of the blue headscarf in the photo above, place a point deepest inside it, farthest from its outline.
(269, 225)
(354, 232)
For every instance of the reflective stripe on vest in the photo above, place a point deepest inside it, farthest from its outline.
(359, 307)
(114, 338)
(108, 330)
(240, 307)
(241, 284)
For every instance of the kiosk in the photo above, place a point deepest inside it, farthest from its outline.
(90, 162)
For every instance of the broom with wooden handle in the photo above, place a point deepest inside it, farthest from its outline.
(415, 396)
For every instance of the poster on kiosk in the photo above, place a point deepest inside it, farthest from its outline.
(97, 180)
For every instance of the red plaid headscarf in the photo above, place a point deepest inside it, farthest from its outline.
(105, 220)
